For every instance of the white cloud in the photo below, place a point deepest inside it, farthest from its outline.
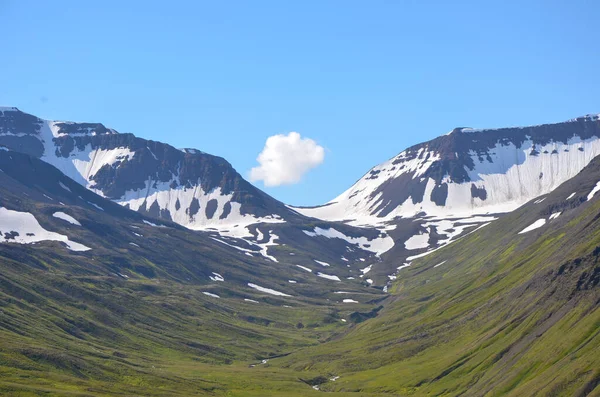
(286, 158)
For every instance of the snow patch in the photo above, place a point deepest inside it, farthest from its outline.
(440, 264)
(267, 290)
(378, 245)
(418, 241)
(535, 225)
(66, 217)
(23, 228)
(64, 187)
(216, 277)
(328, 276)
(304, 268)
(594, 191)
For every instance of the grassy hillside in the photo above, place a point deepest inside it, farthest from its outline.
(496, 313)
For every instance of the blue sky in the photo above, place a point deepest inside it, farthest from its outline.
(364, 79)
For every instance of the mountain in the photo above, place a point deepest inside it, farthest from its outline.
(435, 192)
(43, 210)
(512, 309)
(426, 197)
(191, 188)
(468, 171)
(99, 299)
(187, 186)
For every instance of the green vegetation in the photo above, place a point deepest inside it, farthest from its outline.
(496, 313)
(506, 314)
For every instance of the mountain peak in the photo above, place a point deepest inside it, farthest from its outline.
(9, 109)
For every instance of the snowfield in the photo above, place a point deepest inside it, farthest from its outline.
(23, 228)
(378, 245)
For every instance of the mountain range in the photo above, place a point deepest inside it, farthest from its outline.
(455, 268)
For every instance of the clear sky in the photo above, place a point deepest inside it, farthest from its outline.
(363, 79)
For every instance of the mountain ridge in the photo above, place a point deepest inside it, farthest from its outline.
(446, 162)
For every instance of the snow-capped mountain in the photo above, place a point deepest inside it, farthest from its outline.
(187, 186)
(468, 172)
(192, 188)
(422, 199)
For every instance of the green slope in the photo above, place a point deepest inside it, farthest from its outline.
(496, 313)
(502, 314)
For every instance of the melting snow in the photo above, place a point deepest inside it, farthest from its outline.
(554, 215)
(594, 191)
(245, 250)
(571, 195)
(250, 300)
(329, 276)
(417, 241)
(64, 187)
(265, 246)
(537, 224)
(66, 217)
(321, 263)
(209, 294)
(216, 277)
(440, 264)
(378, 245)
(95, 205)
(366, 269)
(349, 301)
(27, 230)
(304, 268)
(267, 290)
(152, 224)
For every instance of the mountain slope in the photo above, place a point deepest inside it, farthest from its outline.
(97, 299)
(192, 188)
(512, 309)
(147, 304)
(188, 187)
(468, 172)
(435, 192)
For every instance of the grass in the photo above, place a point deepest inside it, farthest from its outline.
(506, 314)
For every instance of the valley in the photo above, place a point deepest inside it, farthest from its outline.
(467, 265)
